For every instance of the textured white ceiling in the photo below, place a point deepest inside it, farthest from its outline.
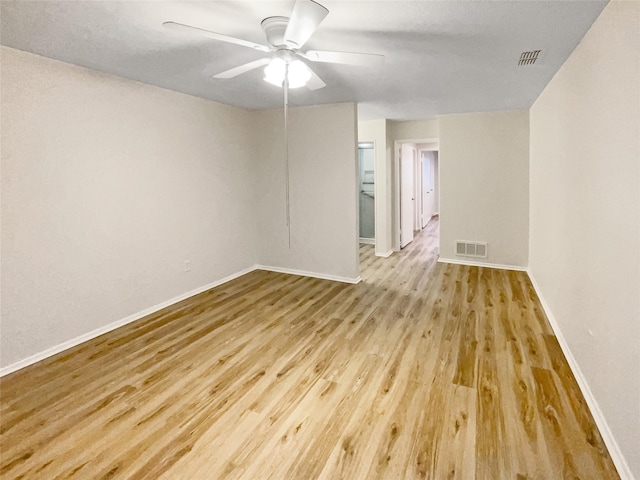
(442, 57)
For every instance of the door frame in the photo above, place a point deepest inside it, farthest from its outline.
(397, 146)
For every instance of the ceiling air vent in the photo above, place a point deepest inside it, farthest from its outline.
(529, 58)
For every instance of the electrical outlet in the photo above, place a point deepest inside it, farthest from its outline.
(187, 266)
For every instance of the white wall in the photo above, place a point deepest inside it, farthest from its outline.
(376, 131)
(585, 214)
(108, 186)
(484, 184)
(324, 189)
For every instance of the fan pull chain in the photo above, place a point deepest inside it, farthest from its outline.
(286, 142)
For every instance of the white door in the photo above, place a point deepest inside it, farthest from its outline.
(407, 199)
(427, 185)
(417, 192)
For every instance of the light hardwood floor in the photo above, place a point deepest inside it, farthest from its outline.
(423, 370)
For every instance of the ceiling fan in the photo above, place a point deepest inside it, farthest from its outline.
(284, 67)
(286, 36)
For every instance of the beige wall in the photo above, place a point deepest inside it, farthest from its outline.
(414, 129)
(585, 214)
(484, 184)
(376, 131)
(324, 189)
(108, 186)
(483, 181)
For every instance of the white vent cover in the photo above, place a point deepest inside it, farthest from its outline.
(471, 249)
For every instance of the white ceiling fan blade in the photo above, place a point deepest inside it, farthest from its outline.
(234, 72)
(305, 18)
(345, 58)
(315, 82)
(216, 36)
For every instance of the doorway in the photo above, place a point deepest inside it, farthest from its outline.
(417, 188)
(430, 202)
(366, 198)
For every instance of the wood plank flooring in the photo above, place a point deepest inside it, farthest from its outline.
(423, 370)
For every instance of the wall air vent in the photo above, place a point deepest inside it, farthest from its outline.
(529, 58)
(471, 249)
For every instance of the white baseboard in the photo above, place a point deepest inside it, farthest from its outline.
(473, 263)
(385, 254)
(303, 273)
(368, 241)
(25, 362)
(607, 436)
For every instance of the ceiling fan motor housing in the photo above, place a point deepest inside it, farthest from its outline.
(274, 29)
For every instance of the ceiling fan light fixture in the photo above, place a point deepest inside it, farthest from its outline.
(299, 73)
